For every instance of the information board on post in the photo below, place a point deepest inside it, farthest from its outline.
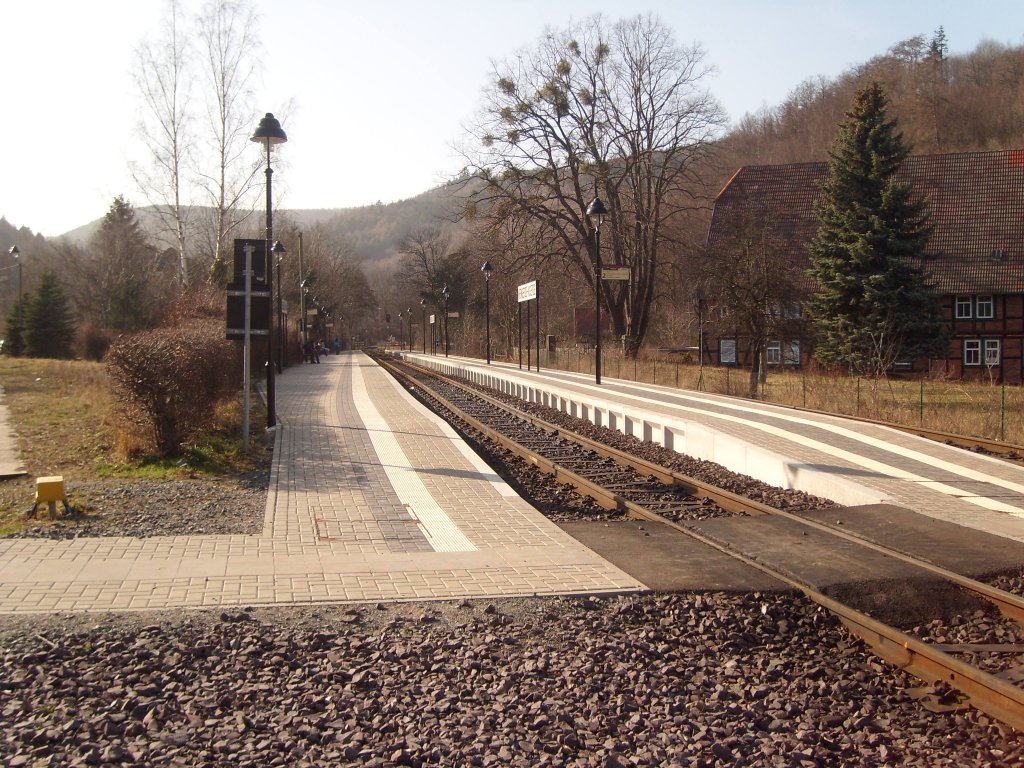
(528, 291)
(615, 273)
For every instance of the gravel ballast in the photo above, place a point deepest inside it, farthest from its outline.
(656, 680)
(683, 680)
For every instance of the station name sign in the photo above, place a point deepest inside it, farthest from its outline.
(615, 273)
(528, 291)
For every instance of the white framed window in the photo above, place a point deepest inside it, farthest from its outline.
(962, 308)
(972, 352)
(985, 307)
(773, 353)
(993, 350)
(791, 353)
(727, 351)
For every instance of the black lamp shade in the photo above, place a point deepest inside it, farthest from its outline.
(597, 208)
(269, 131)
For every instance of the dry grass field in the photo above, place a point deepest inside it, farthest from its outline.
(67, 423)
(984, 410)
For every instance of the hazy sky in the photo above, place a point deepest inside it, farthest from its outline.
(381, 88)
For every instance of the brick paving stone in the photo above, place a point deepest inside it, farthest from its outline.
(343, 523)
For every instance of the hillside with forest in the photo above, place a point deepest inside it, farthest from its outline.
(943, 104)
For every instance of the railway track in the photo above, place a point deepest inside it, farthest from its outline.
(637, 488)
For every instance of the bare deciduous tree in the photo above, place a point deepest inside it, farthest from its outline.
(228, 37)
(754, 285)
(163, 78)
(616, 110)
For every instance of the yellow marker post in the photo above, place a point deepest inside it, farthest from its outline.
(51, 490)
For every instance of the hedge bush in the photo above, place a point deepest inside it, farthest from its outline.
(170, 380)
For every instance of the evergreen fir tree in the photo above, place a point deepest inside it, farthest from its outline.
(49, 326)
(14, 328)
(128, 282)
(874, 305)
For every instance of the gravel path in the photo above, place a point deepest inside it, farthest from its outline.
(141, 508)
(684, 680)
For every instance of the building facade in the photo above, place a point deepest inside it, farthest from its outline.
(974, 261)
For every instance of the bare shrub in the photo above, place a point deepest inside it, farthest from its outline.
(92, 342)
(202, 301)
(172, 380)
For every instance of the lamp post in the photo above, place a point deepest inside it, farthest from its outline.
(408, 314)
(423, 323)
(268, 133)
(16, 255)
(445, 294)
(698, 296)
(487, 269)
(303, 290)
(279, 251)
(401, 344)
(596, 211)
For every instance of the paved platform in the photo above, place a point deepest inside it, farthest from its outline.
(11, 464)
(667, 560)
(372, 499)
(851, 462)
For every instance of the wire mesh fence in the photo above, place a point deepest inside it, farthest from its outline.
(988, 410)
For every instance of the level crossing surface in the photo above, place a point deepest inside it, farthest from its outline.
(845, 460)
(372, 498)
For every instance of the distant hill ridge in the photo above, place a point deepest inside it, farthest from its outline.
(375, 231)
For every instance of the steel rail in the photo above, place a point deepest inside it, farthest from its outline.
(1009, 605)
(988, 693)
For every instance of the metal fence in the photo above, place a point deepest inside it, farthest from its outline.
(992, 411)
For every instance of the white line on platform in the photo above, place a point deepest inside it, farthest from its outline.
(873, 465)
(442, 533)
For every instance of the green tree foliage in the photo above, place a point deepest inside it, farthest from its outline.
(14, 328)
(125, 250)
(874, 306)
(49, 322)
(121, 282)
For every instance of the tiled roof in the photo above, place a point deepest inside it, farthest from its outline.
(976, 200)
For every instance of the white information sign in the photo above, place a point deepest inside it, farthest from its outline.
(528, 291)
(615, 273)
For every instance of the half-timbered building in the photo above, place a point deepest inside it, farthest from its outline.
(974, 260)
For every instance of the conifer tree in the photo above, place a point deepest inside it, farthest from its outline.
(874, 305)
(14, 328)
(124, 291)
(50, 325)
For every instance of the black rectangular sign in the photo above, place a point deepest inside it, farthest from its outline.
(259, 313)
(259, 261)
